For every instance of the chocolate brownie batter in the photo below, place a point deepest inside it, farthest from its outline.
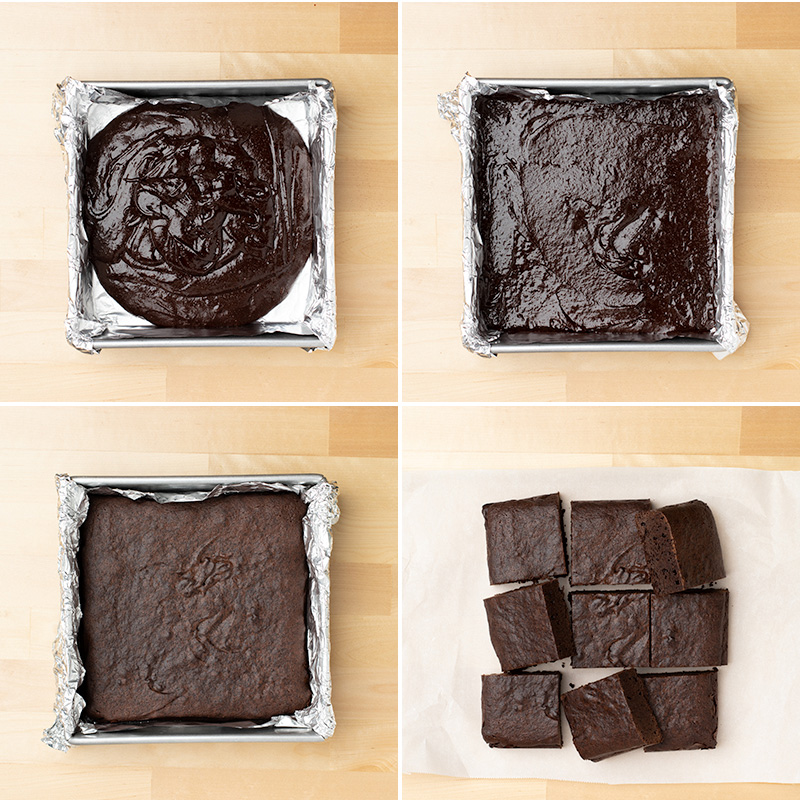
(606, 545)
(525, 539)
(522, 710)
(685, 707)
(194, 610)
(198, 217)
(598, 220)
(610, 716)
(611, 629)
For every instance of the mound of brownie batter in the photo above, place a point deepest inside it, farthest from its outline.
(598, 220)
(194, 610)
(198, 217)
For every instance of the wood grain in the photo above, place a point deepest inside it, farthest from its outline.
(353, 46)
(757, 45)
(591, 436)
(356, 447)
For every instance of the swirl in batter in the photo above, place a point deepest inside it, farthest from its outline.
(198, 217)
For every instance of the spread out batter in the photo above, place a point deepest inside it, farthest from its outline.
(598, 220)
(198, 217)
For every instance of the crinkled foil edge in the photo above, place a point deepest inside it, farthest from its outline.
(69, 110)
(731, 329)
(321, 514)
(456, 107)
(73, 506)
(321, 316)
(71, 101)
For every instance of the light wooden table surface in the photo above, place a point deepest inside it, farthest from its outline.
(354, 45)
(528, 438)
(757, 45)
(356, 447)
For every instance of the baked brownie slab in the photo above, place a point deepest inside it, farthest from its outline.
(685, 706)
(610, 716)
(522, 710)
(611, 629)
(525, 539)
(606, 545)
(194, 610)
(529, 626)
(598, 219)
(689, 629)
(682, 546)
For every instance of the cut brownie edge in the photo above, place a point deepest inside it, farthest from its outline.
(641, 710)
(529, 626)
(559, 619)
(659, 548)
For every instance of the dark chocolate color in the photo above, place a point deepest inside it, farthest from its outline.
(194, 610)
(525, 539)
(606, 545)
(689, 629)
(198, 217)
(522, 710)
(685, 707)
(529, 626)
(682, 546)
(598, 220)
(610, 716)
(611, 629)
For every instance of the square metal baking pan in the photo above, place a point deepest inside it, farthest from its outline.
(157, 337)
(158, 734)
(598, 88)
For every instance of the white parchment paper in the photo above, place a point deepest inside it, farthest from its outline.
(446, 645)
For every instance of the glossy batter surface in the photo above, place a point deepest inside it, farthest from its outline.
(198, 217)
(194, 610)
(598, 220)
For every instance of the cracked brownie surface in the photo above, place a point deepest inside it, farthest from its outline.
(194, 610)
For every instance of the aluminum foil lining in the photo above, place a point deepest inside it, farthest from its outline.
(731, 327)
(83, 109)
(322, 513)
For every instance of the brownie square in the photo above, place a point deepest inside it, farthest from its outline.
(525, 539)
(610, 716)
(685, 707)
(689, 629)
(522, 710)
(611, 629)
(682, 546)
(529, 626)
(606, 545)
(598, 220)
(194, 610)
